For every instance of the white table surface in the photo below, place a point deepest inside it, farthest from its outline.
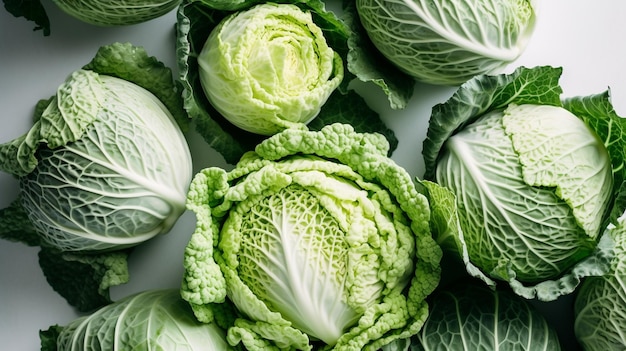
(587, 39)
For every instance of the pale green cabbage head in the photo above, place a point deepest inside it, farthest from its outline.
(448, 41)
(318, 238)
(526, 181)
(525, 176)
(104, 167)
(148, 320)
(116, 12)
(269, 68)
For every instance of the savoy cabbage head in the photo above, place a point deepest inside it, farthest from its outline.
(528, 180)
(104, 167)
(144, 321)
(448, 42)
(600, 304)
(318, 238)
(473, 317)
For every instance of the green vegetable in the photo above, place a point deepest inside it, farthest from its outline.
(104, 167)
(470, 317)
(97, 12)
(448, 42)
(118, 12)
(532, 177)
(600, 304)
(199, 19)
(318, 238)
(149, 320)
(269, 68)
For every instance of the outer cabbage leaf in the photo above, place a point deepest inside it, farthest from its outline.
(149, 320)
(195, 21)
(539, 86)
(31, 10)
(448, 42)
(317, 236)
(600, 304)
(474, 317)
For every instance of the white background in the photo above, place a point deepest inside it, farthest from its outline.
(587, 39)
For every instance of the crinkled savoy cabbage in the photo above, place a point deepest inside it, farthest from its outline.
(318, 238)
(197, 19)
(149, 320)
(532, 179)
(471, 317)
(448, 42)
(116, 13)
(104, 167)
(269, 68)
(600, 305)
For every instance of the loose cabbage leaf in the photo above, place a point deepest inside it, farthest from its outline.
(369, 65)
(31, 10)
(197, 18)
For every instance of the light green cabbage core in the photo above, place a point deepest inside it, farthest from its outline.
(269, 68)
(116, 12)
(532, 184)
(123, 182)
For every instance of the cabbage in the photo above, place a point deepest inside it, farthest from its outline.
(532, 180)
(448, 42)
(269, 68)
(148, 320)
(600, 304)
(470, 317)
(104, 167)
(318, 238)
(285, 85)
(116, 12)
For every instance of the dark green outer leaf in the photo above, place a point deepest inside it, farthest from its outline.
(197, 18)
(32, 10)
(486, 93)
(49, 338)
(15, 225)
(83, 279)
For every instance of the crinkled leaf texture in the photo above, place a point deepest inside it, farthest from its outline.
(600, 305)
(196, 19)
(149, 320)
(474, 317)
(100, 153)
(268, 68)
(318, 238)
(533, 263)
